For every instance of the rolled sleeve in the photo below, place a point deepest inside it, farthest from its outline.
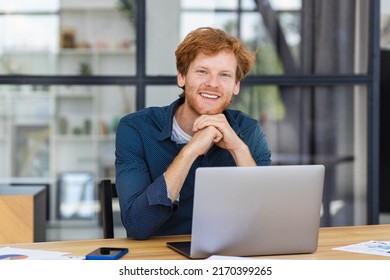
(157, 193)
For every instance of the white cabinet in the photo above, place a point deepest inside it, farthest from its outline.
(24, 131)
(74, 144)
(61, 129)
(47, 132)
(84, 127)
(95, 38)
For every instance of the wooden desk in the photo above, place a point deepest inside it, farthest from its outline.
(22, 214)
(155, 248)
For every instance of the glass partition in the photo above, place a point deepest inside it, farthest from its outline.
(292, 37)
(317, 125)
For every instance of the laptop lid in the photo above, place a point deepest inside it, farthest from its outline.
(248, 211)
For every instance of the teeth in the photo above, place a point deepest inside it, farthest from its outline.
(209, 95)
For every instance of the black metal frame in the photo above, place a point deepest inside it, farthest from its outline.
(373, 121)
(141, 80)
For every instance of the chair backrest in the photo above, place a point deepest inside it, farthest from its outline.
(107, 193)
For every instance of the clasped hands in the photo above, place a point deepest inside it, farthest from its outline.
(213, 129)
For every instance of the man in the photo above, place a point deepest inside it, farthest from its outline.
(158, 149)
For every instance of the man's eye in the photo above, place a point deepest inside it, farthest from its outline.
(202, 72)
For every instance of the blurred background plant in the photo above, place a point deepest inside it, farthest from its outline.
(128, 7)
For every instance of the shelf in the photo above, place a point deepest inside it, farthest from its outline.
(82, 138)
(108, 137)
(92, 51)
(74, 138)
(71, 5)
(31, 121)
(23, 52)
(75, 52)
(78, 94)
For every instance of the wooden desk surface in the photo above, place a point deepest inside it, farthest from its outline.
(155, 248)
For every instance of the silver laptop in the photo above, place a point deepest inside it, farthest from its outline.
(252, 211)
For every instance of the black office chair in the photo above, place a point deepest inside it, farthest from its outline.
(107, 193)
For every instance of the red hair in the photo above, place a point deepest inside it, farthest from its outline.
(211, 41)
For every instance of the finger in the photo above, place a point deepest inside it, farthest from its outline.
(198, 123)
(218, 137)
(208, 120)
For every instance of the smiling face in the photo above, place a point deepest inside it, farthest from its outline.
(209, 84)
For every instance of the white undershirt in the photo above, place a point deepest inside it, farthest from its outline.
(178, 134)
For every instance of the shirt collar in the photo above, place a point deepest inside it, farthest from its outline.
(168, 119)
(232, 122)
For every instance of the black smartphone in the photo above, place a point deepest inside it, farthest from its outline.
(107, 253)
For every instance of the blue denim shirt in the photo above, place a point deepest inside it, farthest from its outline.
(144, 150)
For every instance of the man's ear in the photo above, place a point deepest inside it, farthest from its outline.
(236, 88)
(181, 80)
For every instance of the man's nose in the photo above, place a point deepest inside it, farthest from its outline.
(213, 81)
